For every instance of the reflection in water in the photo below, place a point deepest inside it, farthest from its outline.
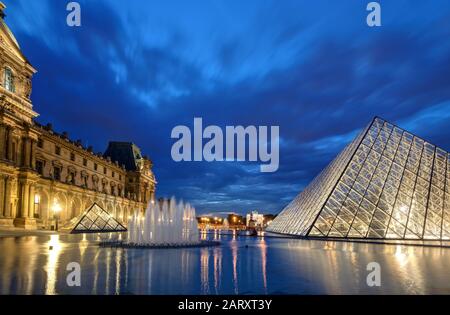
(217, 268)
(119, 253)
(54, 250)
(204, 271)
(234, 252)
(263, 247)
(241, 265)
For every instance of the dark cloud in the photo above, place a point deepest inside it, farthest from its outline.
(106, 81)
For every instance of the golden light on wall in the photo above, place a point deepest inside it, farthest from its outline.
(56, 207)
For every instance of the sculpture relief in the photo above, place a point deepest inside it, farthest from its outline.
(27, 87)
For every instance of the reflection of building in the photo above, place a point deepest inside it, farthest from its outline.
(43, 172)
(255, 220)
(387, 184)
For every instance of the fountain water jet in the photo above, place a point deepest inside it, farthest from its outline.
(165, 224)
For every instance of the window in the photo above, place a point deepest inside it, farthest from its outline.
(40, 143)
(85, 181)
(37, 203)
(84, 162)
(95, 166)
(113, 174)
(72, 156)
(120, 177)
(57, 173)
(105, 170)
(40, 167)
(57, 150)
(9, 80)
(72, 177)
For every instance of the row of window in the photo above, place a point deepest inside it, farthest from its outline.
(85, 161)
(71, 178)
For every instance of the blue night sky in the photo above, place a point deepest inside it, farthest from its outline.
(136, 69)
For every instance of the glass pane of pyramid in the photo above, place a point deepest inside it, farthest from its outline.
(387, 183)
(95, 219)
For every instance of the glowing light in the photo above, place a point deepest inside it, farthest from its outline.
(56, 207)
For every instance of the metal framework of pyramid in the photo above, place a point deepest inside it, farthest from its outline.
(386, 184)
(95, 220)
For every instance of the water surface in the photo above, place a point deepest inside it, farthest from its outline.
(242, 265)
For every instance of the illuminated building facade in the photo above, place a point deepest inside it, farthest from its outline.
(45, 176)
(386, 184)
(255, 220)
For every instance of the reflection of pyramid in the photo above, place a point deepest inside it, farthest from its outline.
(387, 183)
(95, 220)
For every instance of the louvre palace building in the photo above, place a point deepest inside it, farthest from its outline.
(44, 175)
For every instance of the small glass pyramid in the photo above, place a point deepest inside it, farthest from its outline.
(96, 220)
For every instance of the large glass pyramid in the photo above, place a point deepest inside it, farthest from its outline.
(386, 184)
(95, 220)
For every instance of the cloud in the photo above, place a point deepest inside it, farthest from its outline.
(133, 72)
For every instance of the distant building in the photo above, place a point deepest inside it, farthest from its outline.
(235, 220)
(43, 173)
(255, 220)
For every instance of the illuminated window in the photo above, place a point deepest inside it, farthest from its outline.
(9, 80)
(37, 203)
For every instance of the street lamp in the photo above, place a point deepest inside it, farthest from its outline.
(56, 210)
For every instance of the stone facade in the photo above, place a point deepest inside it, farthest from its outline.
(44, 175)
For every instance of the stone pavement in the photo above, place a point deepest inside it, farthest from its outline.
(17, 232)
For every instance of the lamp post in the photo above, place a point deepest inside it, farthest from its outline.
(56, 211)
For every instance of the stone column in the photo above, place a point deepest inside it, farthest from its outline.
(3, 134)
(2, 196)
(9, 153)
(26, 154)
(24, 159)
(7, 197)
(33, 154)
(31, 203)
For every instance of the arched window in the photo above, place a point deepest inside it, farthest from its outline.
(9, 80)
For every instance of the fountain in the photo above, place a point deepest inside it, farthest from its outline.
(165, 224)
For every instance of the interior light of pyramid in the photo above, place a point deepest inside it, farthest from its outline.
(387, 183)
